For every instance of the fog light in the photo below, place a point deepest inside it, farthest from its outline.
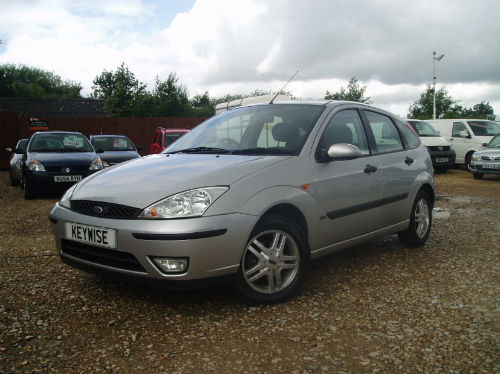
(172, 264)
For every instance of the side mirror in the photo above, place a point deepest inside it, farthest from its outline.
(8, 149)
(139, 148)
(464, 134)
(99, 150)
(344, 151)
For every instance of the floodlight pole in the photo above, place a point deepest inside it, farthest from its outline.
(434, 59)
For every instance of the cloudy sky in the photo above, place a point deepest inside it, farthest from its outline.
(237, 46)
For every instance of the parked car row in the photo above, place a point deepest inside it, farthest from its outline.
(469, 142)
(52, 161)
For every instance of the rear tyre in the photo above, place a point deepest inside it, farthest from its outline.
(274, 263)
(468, 158)
(420, 222)
(478, 175)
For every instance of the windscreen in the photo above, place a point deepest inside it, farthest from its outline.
(112, 143)
(494, 143)
(423, 128)
(59, 142)
(256, 130)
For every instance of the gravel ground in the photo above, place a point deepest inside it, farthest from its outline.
(377, 308)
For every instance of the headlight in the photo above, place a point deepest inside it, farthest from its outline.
(65, 200)
(96, 164)
(476, 157)
(35, 165)
(192, 203)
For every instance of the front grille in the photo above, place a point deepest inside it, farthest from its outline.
(104, 210)
(488, 158)
(439, 148)
(62, 169)
(101, 256)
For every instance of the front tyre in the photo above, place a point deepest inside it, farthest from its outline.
(478, 175)
(28, 190)
(274, 263)
(420, 222)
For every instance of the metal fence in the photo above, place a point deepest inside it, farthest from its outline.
(14, 126)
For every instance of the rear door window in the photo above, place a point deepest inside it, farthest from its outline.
(385, 133)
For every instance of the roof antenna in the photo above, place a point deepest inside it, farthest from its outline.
(282, 88)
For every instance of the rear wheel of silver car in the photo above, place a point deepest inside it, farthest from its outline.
(274, 263)
(420, 221)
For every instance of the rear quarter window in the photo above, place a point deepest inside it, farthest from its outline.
(410, 139)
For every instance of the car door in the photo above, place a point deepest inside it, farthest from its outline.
(398, 168)
(157, 143)
(348, 190)
(461, 144)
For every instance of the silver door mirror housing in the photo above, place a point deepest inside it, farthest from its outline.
(344, 151)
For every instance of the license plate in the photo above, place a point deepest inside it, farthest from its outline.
(441, 160)
(491, 166)
(67, 178)
(100, 236)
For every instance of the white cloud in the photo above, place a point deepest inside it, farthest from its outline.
(239, 46)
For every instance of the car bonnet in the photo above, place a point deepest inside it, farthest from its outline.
(141, 182)
(63, 159)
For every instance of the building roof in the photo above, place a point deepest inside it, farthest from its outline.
(41, 108)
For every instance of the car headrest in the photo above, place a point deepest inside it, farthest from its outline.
(283, 132)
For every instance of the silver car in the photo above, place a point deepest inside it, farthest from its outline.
(251, 196)
(16, 161)
(486, 161)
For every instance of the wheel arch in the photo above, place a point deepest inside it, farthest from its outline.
(291, 212)
(427, 188)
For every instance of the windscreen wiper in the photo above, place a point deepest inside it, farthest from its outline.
(201, 150)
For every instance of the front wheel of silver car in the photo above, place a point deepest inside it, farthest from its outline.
(420, 222)
(274, 263)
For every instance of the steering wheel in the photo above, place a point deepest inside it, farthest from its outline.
(229, 140)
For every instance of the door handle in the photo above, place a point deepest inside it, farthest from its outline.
(370, 169)
(409, 161)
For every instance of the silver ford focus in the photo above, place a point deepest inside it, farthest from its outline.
(251, 196)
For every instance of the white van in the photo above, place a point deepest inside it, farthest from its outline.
(442, 156)
(466, 135)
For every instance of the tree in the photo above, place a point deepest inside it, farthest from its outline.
(122, 92)
(423, 107)
(447, 107)
(203, 105)
(354, 92)
(25, 81)
(170, 98)
(483, 110)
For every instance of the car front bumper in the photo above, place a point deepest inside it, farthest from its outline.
(214, 245)
(482, 167)
(442, 159)
(41, 181)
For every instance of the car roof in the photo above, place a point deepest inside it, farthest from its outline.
(107, 136)
(58, 132)
(173, 130)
